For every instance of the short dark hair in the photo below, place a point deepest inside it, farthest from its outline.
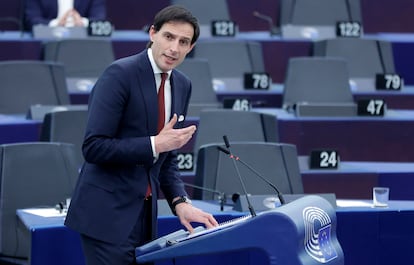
(176, 13)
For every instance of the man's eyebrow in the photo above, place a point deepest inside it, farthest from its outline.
(176, 36)
(185, 38)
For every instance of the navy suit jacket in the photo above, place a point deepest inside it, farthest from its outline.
(109, 195)
(43, 11)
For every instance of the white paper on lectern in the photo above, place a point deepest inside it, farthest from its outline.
(45, 212)
(353, 203)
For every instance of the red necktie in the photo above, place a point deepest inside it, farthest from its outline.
(161, 116)
(161, 103)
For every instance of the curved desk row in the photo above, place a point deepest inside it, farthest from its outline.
(369, 236)
(387, 138)
(273, 98)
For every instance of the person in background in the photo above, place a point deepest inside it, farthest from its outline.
(130, 150)
(65, 13)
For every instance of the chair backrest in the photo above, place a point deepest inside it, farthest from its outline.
(236, 125)
(27, 83)
(316, 80)
(276, 162)
(81, 57)
(199, 9)
(231, 58)
(32, 175)
(365, 57)
(203, 94)
(11, 15)
(66, 127)
(319, 12)
(10, 23)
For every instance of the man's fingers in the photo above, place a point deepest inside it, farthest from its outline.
(172, 122)
(173, 119)
(189, 129)
(188, 226)
(210, 221)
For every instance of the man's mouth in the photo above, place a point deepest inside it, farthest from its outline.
(171, 58)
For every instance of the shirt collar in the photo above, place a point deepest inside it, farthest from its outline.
(154, 66)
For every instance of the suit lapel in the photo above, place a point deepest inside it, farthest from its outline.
(149, 91)
(174, 94)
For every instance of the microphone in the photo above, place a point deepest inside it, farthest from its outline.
(221, 195)
(222, 149)
(252, 211)
(273, 29)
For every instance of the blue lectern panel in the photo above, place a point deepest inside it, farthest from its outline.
(299, 233)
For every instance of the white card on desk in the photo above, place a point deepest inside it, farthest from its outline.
(45, 212)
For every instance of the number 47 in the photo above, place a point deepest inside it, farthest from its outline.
(375, 106)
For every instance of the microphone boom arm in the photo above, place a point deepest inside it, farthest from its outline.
(279, 194)
(252, 211)
(274, 30)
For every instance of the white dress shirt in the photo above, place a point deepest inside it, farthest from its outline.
(167, 93)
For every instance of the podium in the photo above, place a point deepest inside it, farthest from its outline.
(302, 232)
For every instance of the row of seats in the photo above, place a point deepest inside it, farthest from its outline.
(222, 61)
(280, 12)
(81, 57)
(315, 19)
(214, 65)
(48, 82)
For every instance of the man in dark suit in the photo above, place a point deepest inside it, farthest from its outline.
(125, 152)
(63, 12)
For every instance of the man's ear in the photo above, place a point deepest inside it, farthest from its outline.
(191, 47)
(151, 32)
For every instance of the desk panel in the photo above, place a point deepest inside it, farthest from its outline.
(404, 59)
(377, 236)
(62, 246)
(386, 138)
(273, 98)
(18, 129)
(355, 180)
(16, 49)
(357, 140)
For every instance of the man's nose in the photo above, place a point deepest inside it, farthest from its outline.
(174, 46)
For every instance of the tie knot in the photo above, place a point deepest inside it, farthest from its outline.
(164, 76)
